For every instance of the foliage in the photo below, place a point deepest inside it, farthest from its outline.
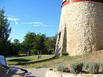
(4, 27)
(93, 67)
(28, 42)
(16, 41)
(88, 67)
(4, 33)
(40, 43)
(85, 66)
(50, 44)
(65, 54)
(16, 46)
(101, 67)
(63, 68)
(76, 67)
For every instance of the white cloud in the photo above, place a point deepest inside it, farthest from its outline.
(15, 20)
(35, 23)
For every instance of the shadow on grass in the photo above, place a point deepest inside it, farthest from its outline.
(39, 61)
(19, 60)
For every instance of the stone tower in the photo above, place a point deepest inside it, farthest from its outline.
(81, 27)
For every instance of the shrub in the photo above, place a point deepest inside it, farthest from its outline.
(76, 67)
(62, 68)
(79, 67)
(93, 67)
(85, 67)
(101, 67)
(65, 54)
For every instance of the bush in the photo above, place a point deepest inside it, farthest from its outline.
(65, 54)
(63, 68)
(101, 67)
(93, 67)
(85, 67)
(76, 67)
(79, 67)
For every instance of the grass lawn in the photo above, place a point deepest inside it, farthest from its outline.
(27, 61)
(48, 61)
(33, 61)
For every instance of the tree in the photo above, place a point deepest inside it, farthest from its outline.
(28, 42)
(40, 44)
(16, 47)
(16, 41)
(50, 44)
(4, 33)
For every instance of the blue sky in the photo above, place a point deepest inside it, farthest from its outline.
(39, 16)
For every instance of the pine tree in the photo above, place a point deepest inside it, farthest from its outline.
(4, 33)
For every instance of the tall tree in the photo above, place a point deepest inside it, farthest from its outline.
(16, 41)
(40, 44)
(4, 33)
(16, 46)
(50, 44)
(28, 42)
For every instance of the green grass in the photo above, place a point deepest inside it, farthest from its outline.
(70, 57)
(48, 61)
(45, 61)
(27, 61)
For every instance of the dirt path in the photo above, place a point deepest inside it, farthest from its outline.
(38, 72)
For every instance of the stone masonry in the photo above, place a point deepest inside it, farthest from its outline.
(81, 28)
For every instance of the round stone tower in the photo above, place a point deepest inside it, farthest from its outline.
(81, 27)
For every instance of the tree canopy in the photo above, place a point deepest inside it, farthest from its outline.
(38, 44)
(4, 33)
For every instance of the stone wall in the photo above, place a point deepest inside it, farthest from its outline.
(84, 24)
(61, 74)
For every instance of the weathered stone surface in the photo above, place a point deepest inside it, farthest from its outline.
(53, 74)
(83, 22)
(61, 74)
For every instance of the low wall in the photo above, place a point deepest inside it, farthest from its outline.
(61, 74)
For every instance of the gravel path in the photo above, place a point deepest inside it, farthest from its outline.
(38, 72)
(35, 73)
